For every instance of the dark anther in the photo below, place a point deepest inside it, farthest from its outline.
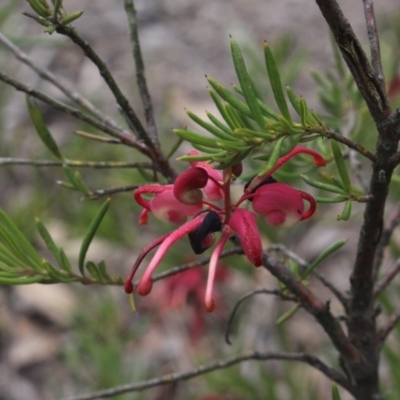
(211, 223)
(266, 181)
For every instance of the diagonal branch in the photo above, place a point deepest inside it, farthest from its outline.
(384, 282)
(374, 43)
(140, 72)
(74, 163)
(388, 327)
(125, 136)
(314, 306)
(155, 152)
(356, 60)
(57, 82)
(309, 359)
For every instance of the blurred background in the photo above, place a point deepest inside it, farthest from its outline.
(61, 340)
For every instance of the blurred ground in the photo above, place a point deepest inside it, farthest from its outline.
(181, 41)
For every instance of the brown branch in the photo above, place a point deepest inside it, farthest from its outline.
(140, 72)
(374, 43)
(309, 359)
(58, 83)
(356, 60)
(273, 292)
(74, 163)
(383, 283)
(303, 265)
(125, 136)
(155, 153)
(314, 306)
(392, 222)
(388, 327)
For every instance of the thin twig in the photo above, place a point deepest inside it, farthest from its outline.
(383, 283)
(388, 327)
(356, 60)
(96, 194)
(108, 78)
(329, 134)
(303, 264)
(392, 222)
(58, 83)
(140, 72)
(125, 136)
(74, 163)
(374, 42)
(154, 153)
(309, 359)
(314, 306)
(274, 292)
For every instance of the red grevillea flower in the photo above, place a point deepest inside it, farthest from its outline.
(194, 194)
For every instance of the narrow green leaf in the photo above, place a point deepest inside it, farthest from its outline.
(55, 274)
(205, 149)
(323, 186)
(266, 111)
(102, 268)
(341, 165)
(41, 128)
(9, 257)
(249, 133)
(90, 234)
(246, 84)
(338, 199)
(45, 235)
(200, 157)
(193, 137)
(346, 212)
(92, 268)
(233, 115)
(219, 124)
(275, 80)
(233, 160)
(288, 126)
(221, 108)
(303, 111)
(325, 254)
(276, 153)
(335, 392)
(209, 127)
(56, 9)
(18, 239)
(294, 100)
(21, 280)
(76, 180)
(64, 262)
(71, 17)
(288, 314)
(174, 148)
(67, 185)
(317, 118)
(230, 98)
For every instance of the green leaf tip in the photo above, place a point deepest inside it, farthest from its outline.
(36, 117)
(87, 240)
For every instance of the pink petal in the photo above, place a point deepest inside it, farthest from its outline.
(212, 190)
(128, 281)
(145, 284)
(280, 204)
(244, 223)
(167, 208)
(188, 184)
(209, 300)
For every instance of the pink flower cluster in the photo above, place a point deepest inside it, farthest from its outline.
(202, 194)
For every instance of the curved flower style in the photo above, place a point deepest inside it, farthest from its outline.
(194, 194)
